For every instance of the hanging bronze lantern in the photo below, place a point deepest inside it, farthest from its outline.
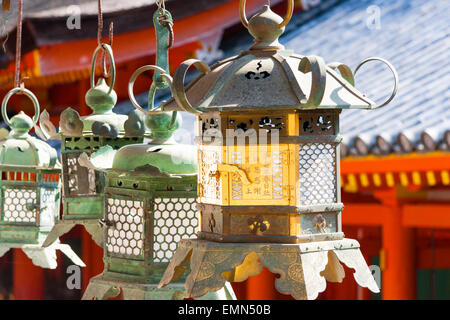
(268, 166)
(29, 189)
(150, 199)
(83, 187)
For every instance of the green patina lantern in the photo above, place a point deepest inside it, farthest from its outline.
(29, 189)
(83, 187)
(150, 204)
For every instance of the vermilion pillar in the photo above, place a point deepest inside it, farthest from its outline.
(28, 278)
(398, 243)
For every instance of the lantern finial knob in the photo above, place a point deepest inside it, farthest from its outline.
(265, 28)
(163, 125)
(100, 98)
(21, 124)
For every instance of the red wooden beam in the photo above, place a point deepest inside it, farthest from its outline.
(409, 163)
(364, 214)
(426, 215)
(129, 46)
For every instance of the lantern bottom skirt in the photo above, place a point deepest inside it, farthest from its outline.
(41, 256)
(101, 288)
(61, 227)
(304, 268)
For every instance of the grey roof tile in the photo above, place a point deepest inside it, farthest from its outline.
(414, 35)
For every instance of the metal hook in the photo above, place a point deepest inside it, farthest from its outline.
(394, 72)
(26, 92)
(151, 108)
(108, 49)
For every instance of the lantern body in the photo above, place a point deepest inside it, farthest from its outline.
(30, 185)
(30, 201)
(150, 205)
(83, 187)
(146, 217)
(291, 161)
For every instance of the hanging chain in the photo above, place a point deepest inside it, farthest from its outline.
(164, 20)
(17, 82)
(105, 73)
(161, 4)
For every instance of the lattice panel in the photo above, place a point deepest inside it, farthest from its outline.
(211, 186)
(174, 219)
(19, 205)
(49, 206)
(317, 173)
(126, 233)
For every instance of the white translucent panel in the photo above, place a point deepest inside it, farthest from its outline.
(317, 165)
(126, 233)
(19, 205)
(169, 225)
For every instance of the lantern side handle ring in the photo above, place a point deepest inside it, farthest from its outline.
(177, 87)
(151, 108)
(287, 18)
(317, 67)
(394, 72)
(26, 92)
(108, 49)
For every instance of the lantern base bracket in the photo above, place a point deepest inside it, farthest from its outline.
(303, 268)
(41, 256)
(102, 288)
(61, 227)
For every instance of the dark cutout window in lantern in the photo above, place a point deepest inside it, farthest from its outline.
(29, 189)
(268, 166)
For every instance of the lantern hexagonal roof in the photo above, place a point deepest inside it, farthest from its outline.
(21, 149)
(268, 76)
(162, 156)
